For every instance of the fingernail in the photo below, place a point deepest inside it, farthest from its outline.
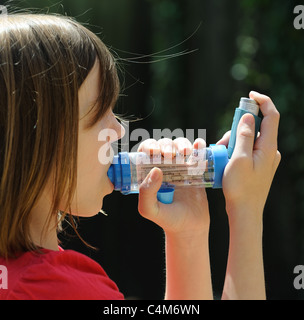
(154, 176)
(248, 120)
(151, 178)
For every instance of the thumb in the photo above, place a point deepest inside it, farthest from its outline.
(245, 136)
(148, 205)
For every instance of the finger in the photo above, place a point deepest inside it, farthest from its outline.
(245, 136)
(199, 143)
(182, 145)
(167, 148)
(270, 122)
(150, 147)
(277, 161)
(225, 139)
(148, 205)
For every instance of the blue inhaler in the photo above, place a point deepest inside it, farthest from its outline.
(246, 106)
(202, 168)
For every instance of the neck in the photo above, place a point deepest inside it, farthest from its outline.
(43, 228)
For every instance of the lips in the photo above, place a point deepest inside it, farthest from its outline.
(110, 182)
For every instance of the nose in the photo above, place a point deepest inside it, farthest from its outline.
(118, 129)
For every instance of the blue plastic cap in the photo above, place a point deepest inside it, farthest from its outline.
(220, 159)
(110, 173)
(165, 195)
(114, 173)
(120, 173)
(125, 172)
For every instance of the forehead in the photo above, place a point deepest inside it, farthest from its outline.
(89, 90)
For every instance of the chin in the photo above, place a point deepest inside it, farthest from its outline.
(87, 213)
(92, 203)
(87, 209)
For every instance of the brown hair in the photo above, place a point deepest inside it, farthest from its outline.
(44, 59)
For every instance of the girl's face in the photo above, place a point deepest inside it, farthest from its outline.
(93, 160)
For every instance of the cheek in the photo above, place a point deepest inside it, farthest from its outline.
(94, 158)
(92, 184)
(89, 165)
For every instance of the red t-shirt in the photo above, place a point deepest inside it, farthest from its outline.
(57, 275)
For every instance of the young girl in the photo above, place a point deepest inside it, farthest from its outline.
(59, 86)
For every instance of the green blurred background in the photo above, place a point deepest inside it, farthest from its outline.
(238, 46)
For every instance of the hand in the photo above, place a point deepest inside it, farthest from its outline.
(188, 214)
(248, 175)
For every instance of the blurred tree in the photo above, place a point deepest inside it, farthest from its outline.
(269, 60)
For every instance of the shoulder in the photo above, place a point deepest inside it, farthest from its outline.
(61, 275)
